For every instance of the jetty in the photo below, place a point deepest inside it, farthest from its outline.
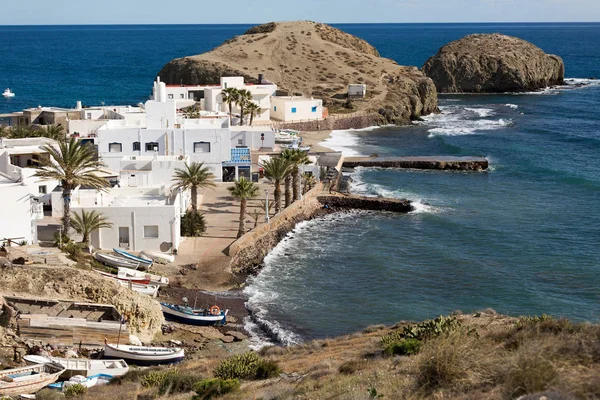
(425, 162)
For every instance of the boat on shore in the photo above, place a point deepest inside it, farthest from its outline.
(8, 93)
(149, 290)
(84, 367)
(29, 379)
(117, 261)
(88, 382)
(156, 256)
(133, 274)
(190, 316)
(144, 356)
(131, 257)
(141, 280)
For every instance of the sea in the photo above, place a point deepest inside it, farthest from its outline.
(522, 238)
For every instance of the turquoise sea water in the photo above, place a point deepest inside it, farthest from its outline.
(522, 238)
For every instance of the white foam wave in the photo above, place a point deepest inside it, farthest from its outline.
(468, 127)
(344, 141)
(582, 82)
(513, 106)
(481, 112)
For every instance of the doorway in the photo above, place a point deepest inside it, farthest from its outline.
(124, 236)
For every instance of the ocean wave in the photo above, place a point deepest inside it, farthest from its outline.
(344, 141)
(481, 112)
(582, 82)
(456, 121)
(513, 106)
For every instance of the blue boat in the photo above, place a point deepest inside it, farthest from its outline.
(190, 316)
(129, 256)
(89, 381)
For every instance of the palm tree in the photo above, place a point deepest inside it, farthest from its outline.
(72, 164)
(55, 132)
(230, 96)
(23, 131)
(300, 158)
(194, 176)
(3, 131)
(242, 190)
(277, 170)
(88, 222)
(191, 112)
(288, 154)
(309, 182)
(244, 98)
(253, 109)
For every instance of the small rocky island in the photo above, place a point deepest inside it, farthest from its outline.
(493, 63)
(314, 60)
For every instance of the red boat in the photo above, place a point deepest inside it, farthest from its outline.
(135, 279)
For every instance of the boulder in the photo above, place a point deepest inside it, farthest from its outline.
(238, 336)
(493, 63)
(227, 339)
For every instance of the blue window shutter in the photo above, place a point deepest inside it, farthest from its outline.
(293, 110)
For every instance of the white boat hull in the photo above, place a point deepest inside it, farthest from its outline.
(190, 319)
(149, 290)
(140, 355)
(117, 261)
(28, 379)
(154, 279)
(77, 366)
(157, 256)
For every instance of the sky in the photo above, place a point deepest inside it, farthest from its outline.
(75, 12)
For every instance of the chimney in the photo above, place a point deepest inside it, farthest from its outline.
(79, 105)
(260, 79)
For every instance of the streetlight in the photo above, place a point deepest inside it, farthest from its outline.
(267, 206)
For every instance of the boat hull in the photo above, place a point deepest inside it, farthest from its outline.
(136, 280)
(154, 279)
(116, 261)
(84, 367)
(132, 257)
(46, 375)
(158, 257)
(188, 319)
(144, 356)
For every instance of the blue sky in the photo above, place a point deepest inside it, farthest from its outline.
(20, 12)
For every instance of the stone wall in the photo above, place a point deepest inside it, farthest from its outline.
(249, 251)
(340, 203)
(336, 122)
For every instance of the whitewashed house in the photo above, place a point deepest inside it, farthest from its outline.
(291, 108)
(164, 132)
(19, 211)
(150, 171)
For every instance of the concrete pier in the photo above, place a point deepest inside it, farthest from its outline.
(354, 202)
(425, 162)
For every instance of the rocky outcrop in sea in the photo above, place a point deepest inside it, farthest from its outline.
(493, 63)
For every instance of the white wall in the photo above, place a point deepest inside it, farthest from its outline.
(282, 108)
(15, 213)
(84, 126)
(251, 138)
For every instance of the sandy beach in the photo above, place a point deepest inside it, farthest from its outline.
(315, 140)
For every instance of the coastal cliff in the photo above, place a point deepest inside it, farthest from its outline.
(493, 63)
(315, 60)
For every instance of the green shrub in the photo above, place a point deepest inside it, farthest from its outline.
(267, 369)
(532, 320)
(404, 347)
(193, 224)
(246, 366)
(209, 388)
(178, 383)
(49, 394)
(350, 367)
(157, 378)
(75, 390)
(423, 331)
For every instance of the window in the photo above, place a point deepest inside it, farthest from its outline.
(314, 109)
(201, 147)
(151, 231)
(274, 108)
(293, 110)
(115, 147)
(170, 96)
(240, 141)
(42, 189)
(151, 146)
(89, 115)
(182, 96)
(136, 146)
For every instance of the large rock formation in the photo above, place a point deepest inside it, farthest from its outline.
(493, 63)
(315, 60)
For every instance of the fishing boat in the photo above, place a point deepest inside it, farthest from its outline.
(88, 382)
(190, 316)
(131, 257)
(117, 261)
(28, 379)
(141, 355)
(140, 280)
(149, 290)
(8, 93)
(158, 257)
(133, 274)
(80, 366)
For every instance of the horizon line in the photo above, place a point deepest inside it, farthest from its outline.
(328, 23)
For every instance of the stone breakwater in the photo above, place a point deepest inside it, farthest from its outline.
(352, 202)
(439, 163)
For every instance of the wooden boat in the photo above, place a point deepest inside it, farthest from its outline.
(80, 366)
(28, 379)
(117, 261)
(149, 290)
(158, 257)
(189, 316)
(128, 273)
(141, 355)
(131, 257)
(88, 382)
(140, 280)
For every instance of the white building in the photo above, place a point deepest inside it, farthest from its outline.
(290, 108)
(92, 118)
(164, 132)
(357, 90)
(145, 218)
(19, 212)
(149, 171)
(209, 96)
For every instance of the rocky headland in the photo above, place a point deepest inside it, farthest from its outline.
(493, 63)
(315, 60)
